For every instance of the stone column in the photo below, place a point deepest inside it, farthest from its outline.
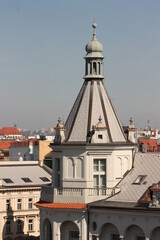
(147, 238)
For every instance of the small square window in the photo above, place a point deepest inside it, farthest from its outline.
(100, 136)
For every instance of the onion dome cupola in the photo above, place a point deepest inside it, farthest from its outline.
(94, 57)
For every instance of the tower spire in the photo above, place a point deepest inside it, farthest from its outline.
(94, 57)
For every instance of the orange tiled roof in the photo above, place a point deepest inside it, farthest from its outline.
(5, 145)
(25, 143)
(61, 205)
(155, 187)
(10, 131)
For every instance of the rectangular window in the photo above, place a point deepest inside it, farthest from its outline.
(8, 226)
(30, 225)
(30, 203)
(73, 235)
(140, 238)
(114, 236)
(8, 204)
(19, 204)
(19, 226)
(94, 237)
(99, 175)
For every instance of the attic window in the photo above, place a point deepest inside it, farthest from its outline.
(26, 179)
(139, 179)
(44, 179)
(100, 136)
(7, 180)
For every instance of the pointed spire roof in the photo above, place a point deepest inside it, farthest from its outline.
(93, 103)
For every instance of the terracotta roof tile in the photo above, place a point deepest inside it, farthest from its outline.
(155, 188)
(5, 145)
(61, 205)
(10, 131)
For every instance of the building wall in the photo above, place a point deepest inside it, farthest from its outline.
(62, 221)
(23, 153)
(13, 214)
(128, 224)
(44, 149)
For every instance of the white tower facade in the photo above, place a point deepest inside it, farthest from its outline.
(90, 156)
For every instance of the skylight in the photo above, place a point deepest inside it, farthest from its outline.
(26, 179)
(139, 179)
(44, 179)
(7, 180)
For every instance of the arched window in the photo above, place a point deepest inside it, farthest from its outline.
(94, 68)
(70, 168)
(79, 168)
(47, 230)
(90, 67)
(134, 232)
(69, 229)
(99, 68)
(109, 231)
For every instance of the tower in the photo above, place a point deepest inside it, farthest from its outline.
(90, 155)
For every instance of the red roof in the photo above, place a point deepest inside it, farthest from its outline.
(10, 131)
(156, 187)
(5, 145)
(25, 143)
(61, 205)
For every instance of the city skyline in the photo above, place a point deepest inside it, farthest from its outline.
(42, 65)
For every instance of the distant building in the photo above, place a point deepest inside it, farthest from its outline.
(150, 144)
(31, 149)
(10, 133)
(4, 149)
(20, 184)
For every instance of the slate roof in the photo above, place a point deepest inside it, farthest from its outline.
(145, 164)
(92, 102)
(15, 171)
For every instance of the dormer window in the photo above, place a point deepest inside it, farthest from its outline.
(139, 180)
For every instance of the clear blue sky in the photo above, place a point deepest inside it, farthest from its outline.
(42, 45)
